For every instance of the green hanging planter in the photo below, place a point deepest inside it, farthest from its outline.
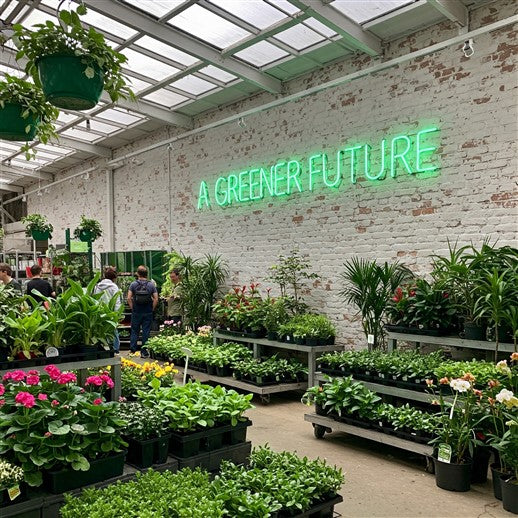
(86, 236)
(13, 125)
(39, 235)
(65, 84)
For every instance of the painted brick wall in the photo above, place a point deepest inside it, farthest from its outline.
(473, 101)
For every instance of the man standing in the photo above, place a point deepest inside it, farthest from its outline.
(142, 299)
(109, 290)
(40, 285)
(174, 304)
(5, 277)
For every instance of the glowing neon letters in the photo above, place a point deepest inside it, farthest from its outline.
(406, 154)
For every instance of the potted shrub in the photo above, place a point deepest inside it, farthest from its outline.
(25, 114)
(70, 63)
(275, 314)
(88, 230)
(10, 477)
(28, 330)
(145, 433)
(37, 227)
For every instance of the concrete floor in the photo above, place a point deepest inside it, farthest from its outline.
(380, 481)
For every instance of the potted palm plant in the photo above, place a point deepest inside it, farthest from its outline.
(25, 114)
(37, 227)
(88, 230)
(72, 64)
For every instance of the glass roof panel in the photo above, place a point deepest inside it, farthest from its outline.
(83, 135)
(208, 26)
(193, 85)
(8, 146)
(320, 27)
(119, 116)
(165, 50)
(166, 98)
(217, 73)
(157, 8)
(361, 11)
(24, 164)
(299, 37)
(261, 53)
(255, 12)
(286, 6)
(11, 71)
(37, 16)
(55, 149)
(137, 85)
(103, 127)
(65, 117)
(147, 66)
(47, 156)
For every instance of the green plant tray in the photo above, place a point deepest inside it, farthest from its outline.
(12, 125)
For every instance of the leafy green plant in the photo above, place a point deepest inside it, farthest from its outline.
(90, 226)
(49, 422)
(10, 474)
(70, 38)
(431, 307)
(369, 286)
(32, 102)
(142, 422)
(27, 331)
(10, 306)
(275, 313)
(36, 223)
(291, 275)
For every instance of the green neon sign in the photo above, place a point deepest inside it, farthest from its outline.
(400, 154)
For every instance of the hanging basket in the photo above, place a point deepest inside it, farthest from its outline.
(86, 236)
(13, 125)
(39, 235)
(65, 84)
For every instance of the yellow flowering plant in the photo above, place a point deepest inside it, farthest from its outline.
(137, 376)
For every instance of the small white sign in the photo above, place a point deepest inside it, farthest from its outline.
(370, 339)
(51, 352)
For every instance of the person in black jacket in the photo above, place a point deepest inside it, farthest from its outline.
(5, 278)
(38, 284)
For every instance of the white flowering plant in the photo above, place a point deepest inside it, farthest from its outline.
(10, 474)
(458, 418)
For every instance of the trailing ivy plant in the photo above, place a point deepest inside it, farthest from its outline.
(32, 102)
(69, 37)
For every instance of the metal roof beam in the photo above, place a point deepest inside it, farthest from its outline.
(453, 10)
(352, 33)
(179, 40)
(78, 145)
(39, 175)
(8, 187)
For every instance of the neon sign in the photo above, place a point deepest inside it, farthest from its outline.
(407, 154)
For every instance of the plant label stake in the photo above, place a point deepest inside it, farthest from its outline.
(188, 353)
(444, 453)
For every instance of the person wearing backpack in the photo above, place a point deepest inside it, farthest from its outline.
(142, 299)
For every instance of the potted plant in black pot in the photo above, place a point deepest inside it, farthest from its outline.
(25, 114)
(88, 230)
(72, 64)
(37, 227)
(11, 476)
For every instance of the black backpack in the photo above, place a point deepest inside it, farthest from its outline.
(142, 295)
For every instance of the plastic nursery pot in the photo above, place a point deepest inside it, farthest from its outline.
(38, 235)
(12, 124)
(496, 475)
(453, 477)
(65, 84)
(474, 332)
(510, 495)
(86, 236)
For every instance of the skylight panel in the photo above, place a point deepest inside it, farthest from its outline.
(119, 116)
(166, 98)
(54, 149)
(138, 85)
(255, 12)
(217, 73)
(158, 8)
(299, 37)
(262, 53)
(24, 164)
(103, 127)
(83, 135)
(209, 27)
(166, 50)
(320, 27)
(147, 66)
(286, 6)
(108, 25)
(7, 146)
(38, 16)
(361, 11)
(65, 117)
(193, 85)
(4, 69)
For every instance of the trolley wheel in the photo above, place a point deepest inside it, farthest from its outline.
(319, 431)
(265, 399)
(430, 465)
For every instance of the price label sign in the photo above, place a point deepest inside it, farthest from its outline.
(370, 339)
(14, 492)
(444, 454)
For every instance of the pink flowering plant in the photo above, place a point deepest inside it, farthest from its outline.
(49, 422)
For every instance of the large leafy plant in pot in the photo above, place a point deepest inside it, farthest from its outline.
(25, 114)
(37, 227)
(88, 230)
(71, 63)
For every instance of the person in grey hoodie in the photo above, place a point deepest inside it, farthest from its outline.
(108, 288)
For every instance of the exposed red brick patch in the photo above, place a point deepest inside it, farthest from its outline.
(336, 208)
(502, 88)
(420, 212)
(361, 230)
(297, 219)
(350, 100)
(365, 210)
(482, 100)
(257, 212)
(321, 197)
(401, 253)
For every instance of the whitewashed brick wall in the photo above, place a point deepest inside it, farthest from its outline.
(473, 101)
